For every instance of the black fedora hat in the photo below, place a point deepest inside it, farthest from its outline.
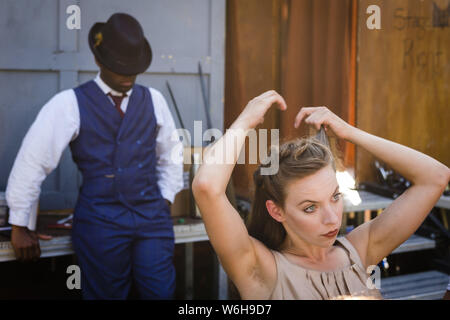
(120, 45)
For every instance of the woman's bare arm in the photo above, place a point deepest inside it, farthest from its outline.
(240, 254)
(377, 238)
(403, 217)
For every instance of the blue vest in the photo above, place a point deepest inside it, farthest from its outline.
(116, 155)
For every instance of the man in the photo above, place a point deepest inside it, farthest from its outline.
(120, 137)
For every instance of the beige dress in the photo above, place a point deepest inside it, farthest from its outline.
(295, 282)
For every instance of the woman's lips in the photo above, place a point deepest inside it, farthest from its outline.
(331, 233)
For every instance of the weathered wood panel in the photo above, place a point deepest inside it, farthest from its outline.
(403, 78)
(252, 67)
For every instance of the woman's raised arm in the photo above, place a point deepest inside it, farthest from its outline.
(404, 216)
(237, 251)
(379, 237)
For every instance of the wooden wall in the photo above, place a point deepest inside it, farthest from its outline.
(392, 82)
(252, 66)
(403, 79)
(302, 49)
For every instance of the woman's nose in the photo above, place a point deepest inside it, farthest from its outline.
(330, 216)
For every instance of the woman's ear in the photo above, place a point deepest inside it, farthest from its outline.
(275, 211)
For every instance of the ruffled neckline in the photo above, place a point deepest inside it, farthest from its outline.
(340, 270)
(340, 241)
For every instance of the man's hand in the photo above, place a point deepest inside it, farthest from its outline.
(26, 243)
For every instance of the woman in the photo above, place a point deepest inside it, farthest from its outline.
(288, 250)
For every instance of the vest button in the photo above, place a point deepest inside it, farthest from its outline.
(139, 142)
(142, 193)
(119, 169)
(140, 165)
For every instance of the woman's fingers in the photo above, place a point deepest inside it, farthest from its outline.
(312, 120)
(305, 112)
(278, 99)
(317, 118)
(253, 113)
(271, 97)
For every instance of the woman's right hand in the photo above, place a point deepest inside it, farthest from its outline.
(253, 113)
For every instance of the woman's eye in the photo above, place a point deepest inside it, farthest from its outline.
(310, 209)
(337, 196)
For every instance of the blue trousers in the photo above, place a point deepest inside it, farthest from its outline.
(115, 250)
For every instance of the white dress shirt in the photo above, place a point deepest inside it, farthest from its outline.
(56, 125)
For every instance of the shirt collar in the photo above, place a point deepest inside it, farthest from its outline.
(106, 89)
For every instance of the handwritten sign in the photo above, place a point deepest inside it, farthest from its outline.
(403, 74)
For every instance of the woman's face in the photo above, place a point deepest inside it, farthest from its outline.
(313, 207)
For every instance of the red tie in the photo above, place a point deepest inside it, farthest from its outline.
(118, 101)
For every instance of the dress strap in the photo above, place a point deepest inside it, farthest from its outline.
(353, 254)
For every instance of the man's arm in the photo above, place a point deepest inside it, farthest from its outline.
(169, 150)
(54, 127)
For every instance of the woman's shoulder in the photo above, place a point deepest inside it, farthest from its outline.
(356, 243)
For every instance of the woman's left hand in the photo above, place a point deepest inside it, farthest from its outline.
(317, 116)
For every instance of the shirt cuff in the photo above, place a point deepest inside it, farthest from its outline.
(18, 218)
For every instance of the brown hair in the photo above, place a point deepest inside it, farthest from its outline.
(297, 159)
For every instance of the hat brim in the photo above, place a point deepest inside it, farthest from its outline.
(111, 63)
